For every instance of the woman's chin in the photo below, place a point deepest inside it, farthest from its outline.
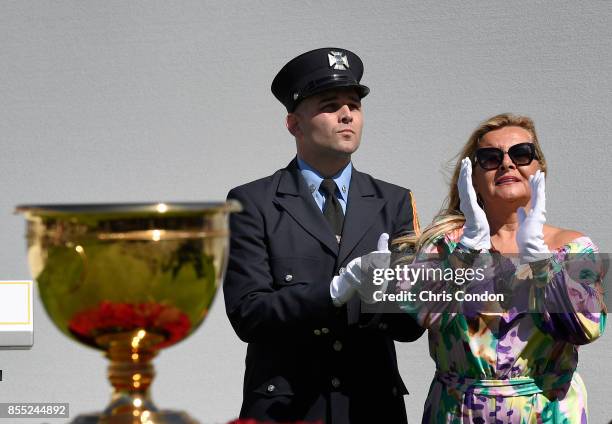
(510, 198)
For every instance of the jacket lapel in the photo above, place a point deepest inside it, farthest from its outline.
(294, 197)
(362, 208)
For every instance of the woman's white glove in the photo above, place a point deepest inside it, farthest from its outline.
(355, 279)
(476, 232)
(530, 233)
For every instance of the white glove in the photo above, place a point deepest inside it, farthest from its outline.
(530, 233)
(352, 280)
(476, 232)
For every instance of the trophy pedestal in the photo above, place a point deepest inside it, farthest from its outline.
(131, 374)
(160, 417)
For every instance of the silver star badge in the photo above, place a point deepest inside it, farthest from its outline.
(338, 60)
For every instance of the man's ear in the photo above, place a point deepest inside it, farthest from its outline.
(293, 126)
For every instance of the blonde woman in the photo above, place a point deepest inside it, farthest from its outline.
(510, 367)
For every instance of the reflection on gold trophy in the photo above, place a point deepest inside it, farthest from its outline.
(128, 279)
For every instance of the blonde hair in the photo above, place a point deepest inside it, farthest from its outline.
(450, 217)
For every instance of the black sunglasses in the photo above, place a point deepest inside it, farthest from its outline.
(490, 158)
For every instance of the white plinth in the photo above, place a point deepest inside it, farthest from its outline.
(16, 314)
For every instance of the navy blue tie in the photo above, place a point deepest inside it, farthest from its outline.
(332, 209)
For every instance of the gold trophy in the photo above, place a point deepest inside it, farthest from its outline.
(128, 279)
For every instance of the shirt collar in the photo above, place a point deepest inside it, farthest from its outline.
(314, 178)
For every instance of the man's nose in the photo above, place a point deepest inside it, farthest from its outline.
(345, 115)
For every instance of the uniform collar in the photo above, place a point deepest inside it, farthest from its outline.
(313, 178)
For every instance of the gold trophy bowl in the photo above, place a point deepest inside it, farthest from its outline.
(128, 279)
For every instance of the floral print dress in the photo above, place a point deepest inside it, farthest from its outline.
(514, 366)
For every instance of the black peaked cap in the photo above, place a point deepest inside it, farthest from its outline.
(316, 71)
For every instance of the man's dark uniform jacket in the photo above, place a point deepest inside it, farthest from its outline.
(308, 359)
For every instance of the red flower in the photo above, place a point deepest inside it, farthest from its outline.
(114, 317)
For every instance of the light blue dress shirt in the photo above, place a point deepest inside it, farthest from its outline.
(313, 181)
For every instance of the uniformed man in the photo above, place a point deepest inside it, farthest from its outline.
(312, 355)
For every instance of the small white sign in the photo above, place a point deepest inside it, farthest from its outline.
(16, 314)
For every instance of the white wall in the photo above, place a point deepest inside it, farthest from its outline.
(168, 100)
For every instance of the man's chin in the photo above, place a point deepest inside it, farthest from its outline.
(346, 150)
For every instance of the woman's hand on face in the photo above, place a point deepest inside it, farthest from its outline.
(530, 233)
(476, 232)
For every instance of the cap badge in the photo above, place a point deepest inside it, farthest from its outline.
(338, 60)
